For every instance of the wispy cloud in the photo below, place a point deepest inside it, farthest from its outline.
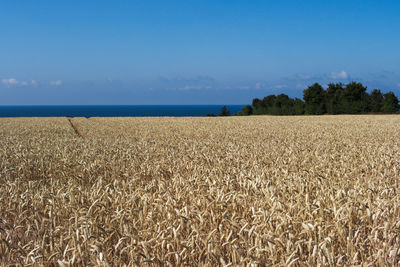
(259, 85)
(10, 81)
(15, 82)
(196, 79)
(56, 83)
(339, 75)
(280, 86)
(186, 83)
(398, 85)
(191, 87)
(316, 77)
(304, 76)
(196, 87)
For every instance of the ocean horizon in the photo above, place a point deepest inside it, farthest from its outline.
(114, 110)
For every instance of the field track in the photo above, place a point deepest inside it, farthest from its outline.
(76, 130)
(234, 191)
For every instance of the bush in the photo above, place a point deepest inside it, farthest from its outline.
(224, 112)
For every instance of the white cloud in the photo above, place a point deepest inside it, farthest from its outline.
(195, 87)
(10, 81)
(304, 76)
(398, 85)
(15, 82)
(189, 87)
(280, 86)
(56, 83)
(259, 85)
(339, 75)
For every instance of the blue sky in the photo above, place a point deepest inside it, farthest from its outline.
(192, 52)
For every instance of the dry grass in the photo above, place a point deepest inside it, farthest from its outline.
(282, 191)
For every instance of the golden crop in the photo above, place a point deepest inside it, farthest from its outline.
(281, 191)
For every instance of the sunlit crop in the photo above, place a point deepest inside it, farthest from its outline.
(278, 191)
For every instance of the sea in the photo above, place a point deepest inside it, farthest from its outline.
(116, 110)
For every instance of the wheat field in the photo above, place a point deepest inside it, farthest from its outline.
(232, 191)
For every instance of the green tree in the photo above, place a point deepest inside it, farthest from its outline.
(390, 103)
(298, 106)
(351, 98)
(283, 105)
(268, 101)
(354, 99)
(256, 103)
(264, 106)
(375, 101)
(224, 112)
(246, 110)
(314, 98)
(333, 95)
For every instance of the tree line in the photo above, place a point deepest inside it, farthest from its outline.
(338, 98)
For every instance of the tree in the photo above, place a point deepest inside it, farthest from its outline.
(246, 110)
(333, 96)
(258, 106)
(354, 99)
(283, 105)
(268, 101)
(264, 106)
(224, 112)
(256, 103)
(351, 98)
(298, 107)
(390, 103)
(314, 98)
(375, 101)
